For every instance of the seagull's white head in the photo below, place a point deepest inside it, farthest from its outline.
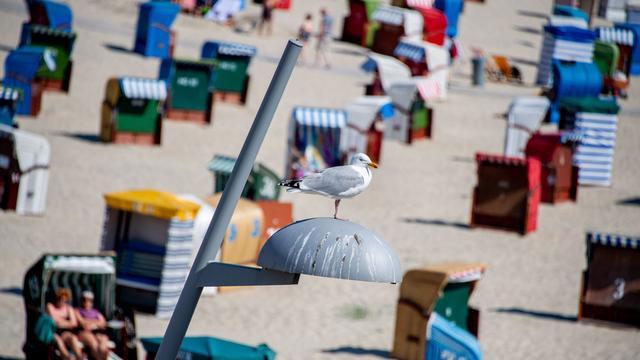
(362, 160)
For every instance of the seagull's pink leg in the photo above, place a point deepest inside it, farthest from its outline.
(335, 214)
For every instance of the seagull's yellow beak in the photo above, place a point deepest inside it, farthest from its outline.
(373, 165)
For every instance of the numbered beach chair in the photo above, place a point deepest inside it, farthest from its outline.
(24, 171)
(558, 175)
(386, 70)
(232, 62)
(610, 282)
(524, 117)
(52, 14)
(243, 238)
(313, 141)
(154, 37)
(366, 117)
(151, 232)
(573, 80)
(55, 73)
(358, 24)
(606, 56)
(262, 183)
(563, 43)
(624, 39)
(78, 273)
(132, 111)
(395, 23)
(433, 315)
(507, 194)
(191, 89)
(435, 21)
(422, 57)
(20, 68)
(595, 120)
(412, 119)
(8, 98)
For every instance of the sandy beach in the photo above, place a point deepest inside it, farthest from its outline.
(419, 200)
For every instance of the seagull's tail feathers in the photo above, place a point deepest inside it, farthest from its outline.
(292, 185)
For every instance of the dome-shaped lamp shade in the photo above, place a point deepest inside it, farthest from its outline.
(331, 248)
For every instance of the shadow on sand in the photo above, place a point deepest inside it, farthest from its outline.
(437, 222)
(358, 351)
(120, 49)
(13, 290)
(522, 61)
(533, 14)
(92, 138)
(527, 29)
(537, 314)
(633, 201)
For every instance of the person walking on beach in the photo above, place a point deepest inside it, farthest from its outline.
(324, 38)
(304, 34)
(266, 19)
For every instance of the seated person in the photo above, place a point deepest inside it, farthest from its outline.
(65, 318)
(92, 323)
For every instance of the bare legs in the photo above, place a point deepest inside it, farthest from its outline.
(68, 340)
(97, 344)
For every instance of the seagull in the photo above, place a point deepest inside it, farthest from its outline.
(338, 182)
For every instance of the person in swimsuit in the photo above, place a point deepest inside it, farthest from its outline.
(92, 323)
(267, 12)
(65, 318)
(304, 34)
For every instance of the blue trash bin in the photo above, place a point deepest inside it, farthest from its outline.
(153, 32)
(20, 68)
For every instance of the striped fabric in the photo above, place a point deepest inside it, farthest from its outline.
(424, 4)
(223, 164)
(413, 51)
(389, 15)
(142, 88)
(177, 261)
(320, 117)
(236, 49)
(9, 93)
(430, 88)
(595, 148)
(615, 35)
(559, 49)
(613, 240)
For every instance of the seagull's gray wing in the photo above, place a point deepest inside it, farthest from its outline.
(333, 181)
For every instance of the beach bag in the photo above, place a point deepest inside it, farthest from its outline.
(45, 329)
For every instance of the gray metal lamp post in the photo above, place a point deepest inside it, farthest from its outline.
(320, 246)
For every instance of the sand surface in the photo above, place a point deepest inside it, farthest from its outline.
(419, 200)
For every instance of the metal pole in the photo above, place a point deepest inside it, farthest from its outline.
(212, 241)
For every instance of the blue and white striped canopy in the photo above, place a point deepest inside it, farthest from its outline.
(389, 15)
(211, 49)
(142, 88)
(615, 35)
(9, 93)
(412, 51)
(320, 117)
(613, 240)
